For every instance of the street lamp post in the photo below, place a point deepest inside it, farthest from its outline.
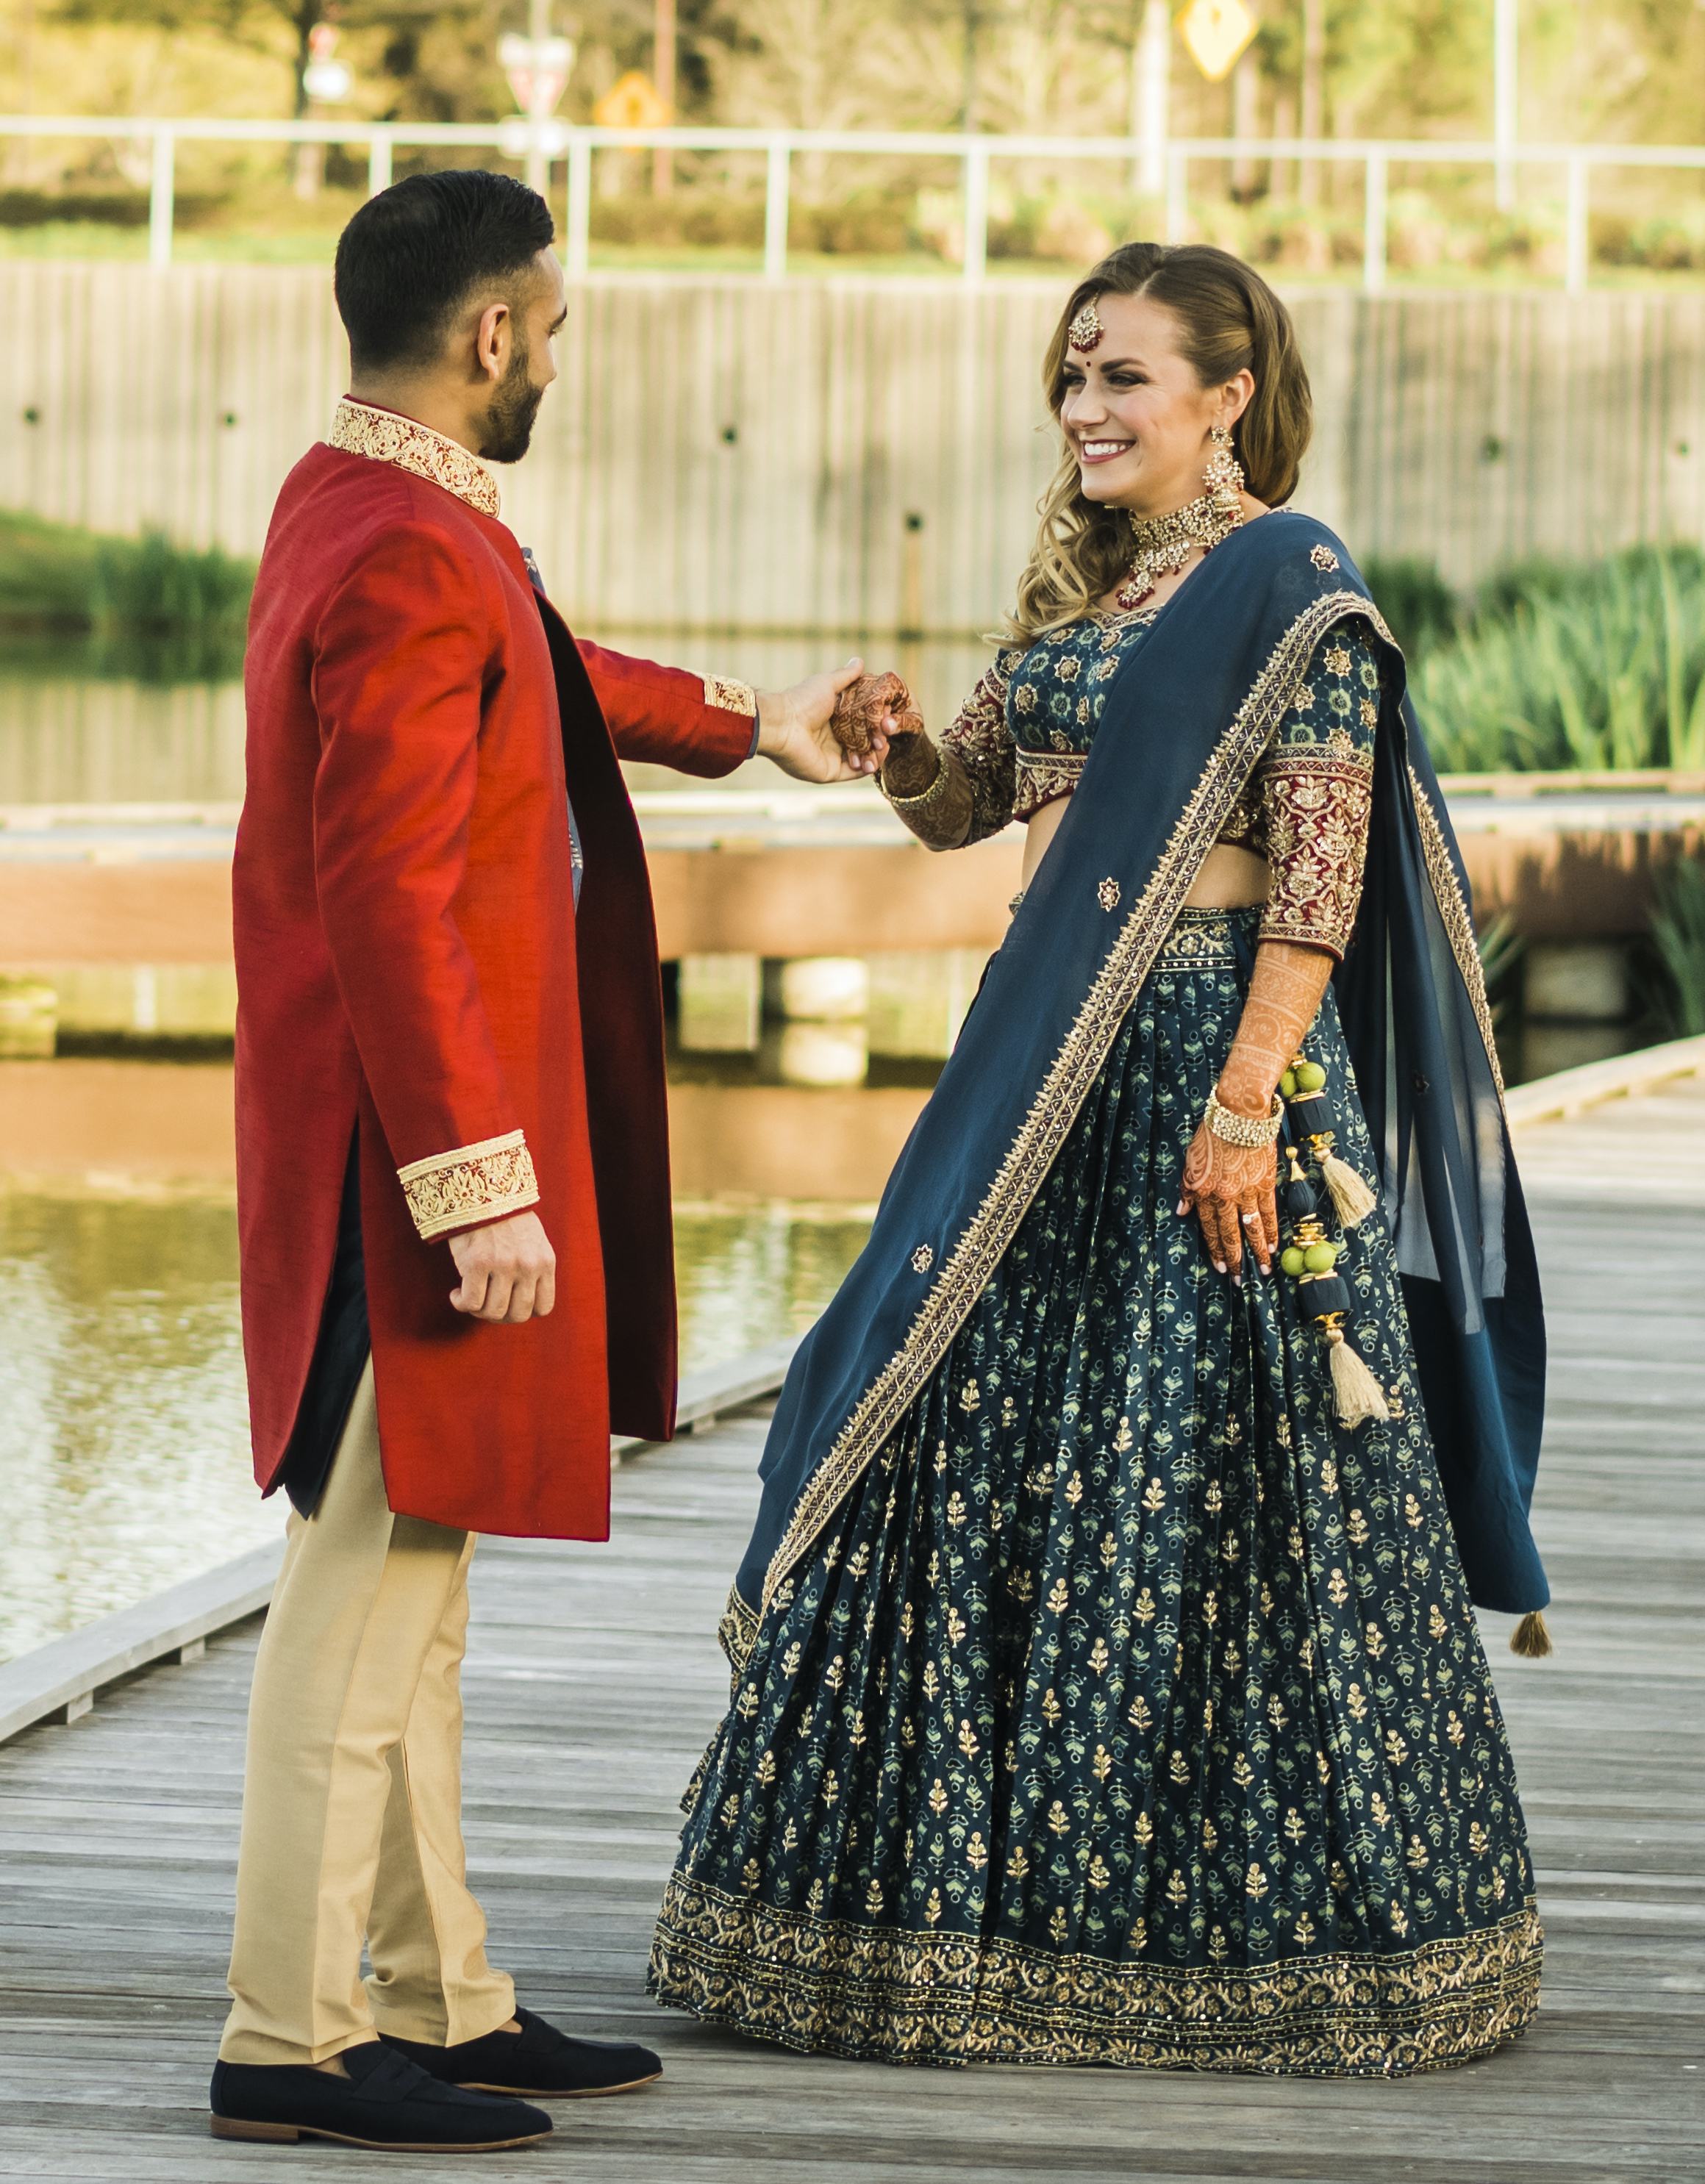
(1150, 91)
(1505, 112)
(326, 82)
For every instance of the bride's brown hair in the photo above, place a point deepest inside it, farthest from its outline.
(1229, 320)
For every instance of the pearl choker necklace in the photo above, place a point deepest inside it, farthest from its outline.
(1165, 543)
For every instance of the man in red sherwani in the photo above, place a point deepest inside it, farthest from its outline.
(452, 1152)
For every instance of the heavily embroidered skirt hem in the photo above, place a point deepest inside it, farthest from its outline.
(885, 1996)
(1129, 1707)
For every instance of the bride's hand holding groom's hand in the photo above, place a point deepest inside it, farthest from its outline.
(794, 730)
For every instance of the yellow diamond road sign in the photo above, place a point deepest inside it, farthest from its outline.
(631, 103)
(1216, 32)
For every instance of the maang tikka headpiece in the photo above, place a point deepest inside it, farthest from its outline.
(1086, 328)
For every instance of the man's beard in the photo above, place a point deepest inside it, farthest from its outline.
(515, 404)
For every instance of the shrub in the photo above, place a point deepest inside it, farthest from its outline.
(1678, 927)
(1416, 601)
(162, 611)
(150, 586)
(1595, 668)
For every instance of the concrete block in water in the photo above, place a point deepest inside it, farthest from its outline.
(1576, 982)
(918, 1001)
(822, 1054)
(720, 1003)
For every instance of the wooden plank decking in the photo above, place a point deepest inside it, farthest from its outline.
(594, 1680)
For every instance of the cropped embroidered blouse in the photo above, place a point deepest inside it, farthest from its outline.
(1024, 733)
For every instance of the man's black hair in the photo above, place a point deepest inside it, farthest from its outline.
(413, 253)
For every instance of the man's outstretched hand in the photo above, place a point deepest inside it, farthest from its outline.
(508, 1270)
(793, 730)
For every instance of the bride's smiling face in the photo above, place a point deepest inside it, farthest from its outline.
(1135, 413)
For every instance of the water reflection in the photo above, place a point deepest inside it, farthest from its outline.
(67, 736)
(123, 1418)
(124, 1460)
(81, 726)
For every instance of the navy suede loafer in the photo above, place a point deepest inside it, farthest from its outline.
(386, 2102)
(539, 2061)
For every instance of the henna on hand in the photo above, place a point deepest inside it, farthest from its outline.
(859, 709)
(1233, 1188)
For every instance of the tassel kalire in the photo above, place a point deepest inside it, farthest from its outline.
(1311, 1257)
(1303, 1088)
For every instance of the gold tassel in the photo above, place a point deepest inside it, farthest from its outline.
(1359, 1394)
(1349, 1194)
(1530, 1638)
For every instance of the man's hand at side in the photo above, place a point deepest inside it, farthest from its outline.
(508, 1270)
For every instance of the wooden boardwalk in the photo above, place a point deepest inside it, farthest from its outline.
(593, 1680)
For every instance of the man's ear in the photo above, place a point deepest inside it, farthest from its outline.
(492, 339)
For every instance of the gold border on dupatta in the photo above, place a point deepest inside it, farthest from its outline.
(1066, 1085)
(1459, 924)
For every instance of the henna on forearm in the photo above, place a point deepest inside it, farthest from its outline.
(940, 809)
(1284, 1000)
(1231, 1188)
(911, 764)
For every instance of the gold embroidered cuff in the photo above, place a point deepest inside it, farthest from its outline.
(474, 1183)
(729, 697)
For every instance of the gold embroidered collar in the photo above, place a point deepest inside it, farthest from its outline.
(385, 438)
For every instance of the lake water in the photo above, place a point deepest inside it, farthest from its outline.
(67, 736)
(124, 1459)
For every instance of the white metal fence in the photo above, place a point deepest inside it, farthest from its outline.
(975, 154)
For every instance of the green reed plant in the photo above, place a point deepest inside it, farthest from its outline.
(1420, 608)
(1596, 669)
(142, 607)
(148, 585)
(1678, 929)
(58, 574)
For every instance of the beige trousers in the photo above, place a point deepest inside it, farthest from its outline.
(352, 1799)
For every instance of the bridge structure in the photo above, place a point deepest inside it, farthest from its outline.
(784, 870)
(593, 1682)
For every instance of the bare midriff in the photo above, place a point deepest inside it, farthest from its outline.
(1230, 878)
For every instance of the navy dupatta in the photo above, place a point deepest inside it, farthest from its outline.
(1184, 725)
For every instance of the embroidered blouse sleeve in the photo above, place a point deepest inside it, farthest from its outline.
(979, 739)
(1315, 784)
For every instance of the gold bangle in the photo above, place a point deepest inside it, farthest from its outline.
(925, 796)
(1250, 1132)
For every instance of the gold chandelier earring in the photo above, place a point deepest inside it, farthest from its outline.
(1164, 543)
(1223, 479)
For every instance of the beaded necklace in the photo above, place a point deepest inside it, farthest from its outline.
(1165, 543)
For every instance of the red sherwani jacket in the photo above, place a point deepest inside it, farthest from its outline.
(410, 960)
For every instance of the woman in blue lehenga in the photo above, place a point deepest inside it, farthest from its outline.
(1106, 1684)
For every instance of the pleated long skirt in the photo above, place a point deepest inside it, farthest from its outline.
(1130, 1709)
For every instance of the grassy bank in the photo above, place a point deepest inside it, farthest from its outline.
(157, 609)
